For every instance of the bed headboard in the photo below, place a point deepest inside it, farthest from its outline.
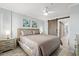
(22, 29)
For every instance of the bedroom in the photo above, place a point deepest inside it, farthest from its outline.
(26, 19)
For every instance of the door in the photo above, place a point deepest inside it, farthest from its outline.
(62, 35)
(52, 27)
(61, 30)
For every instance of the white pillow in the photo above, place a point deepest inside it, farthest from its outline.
(26, 32)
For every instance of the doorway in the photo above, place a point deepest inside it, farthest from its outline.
(61, 30)
(62, 35)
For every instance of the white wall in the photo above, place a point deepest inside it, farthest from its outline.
(17, 22)
(73, 25)
(45, 27)
(4, 21)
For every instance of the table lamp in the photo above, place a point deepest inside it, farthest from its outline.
(7, 34)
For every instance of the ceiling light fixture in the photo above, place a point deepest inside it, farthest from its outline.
(47, 10)
(45, 14)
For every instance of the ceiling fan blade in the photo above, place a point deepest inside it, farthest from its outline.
(45, 9)
(51, 12)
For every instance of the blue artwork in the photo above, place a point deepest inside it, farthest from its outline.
(26, 23)
(34, 24)
(29, 23)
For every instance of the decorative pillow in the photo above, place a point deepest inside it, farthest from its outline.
(26, 32)
(22, 33)
(36, 32)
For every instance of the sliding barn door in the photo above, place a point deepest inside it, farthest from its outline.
(52, 27)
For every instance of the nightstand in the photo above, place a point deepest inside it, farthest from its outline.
(7, 44)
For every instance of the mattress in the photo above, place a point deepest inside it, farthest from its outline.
(40, 44)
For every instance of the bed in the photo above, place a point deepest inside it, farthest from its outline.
(36, 44)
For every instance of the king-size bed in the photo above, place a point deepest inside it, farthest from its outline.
(36, 44)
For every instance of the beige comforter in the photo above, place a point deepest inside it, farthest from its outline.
(41, 44)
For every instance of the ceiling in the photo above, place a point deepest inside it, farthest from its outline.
(34, 10)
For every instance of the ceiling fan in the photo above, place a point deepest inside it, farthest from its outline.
(47, 11)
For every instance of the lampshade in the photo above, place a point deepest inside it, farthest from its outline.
(7, 32)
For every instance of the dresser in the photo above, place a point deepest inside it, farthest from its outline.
(7, 44)
(77, 45)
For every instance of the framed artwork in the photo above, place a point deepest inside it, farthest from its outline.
(34, 24)
(26, 23)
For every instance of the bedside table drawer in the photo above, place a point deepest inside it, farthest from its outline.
(7, 44)
(7, 41)
(10, 46)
